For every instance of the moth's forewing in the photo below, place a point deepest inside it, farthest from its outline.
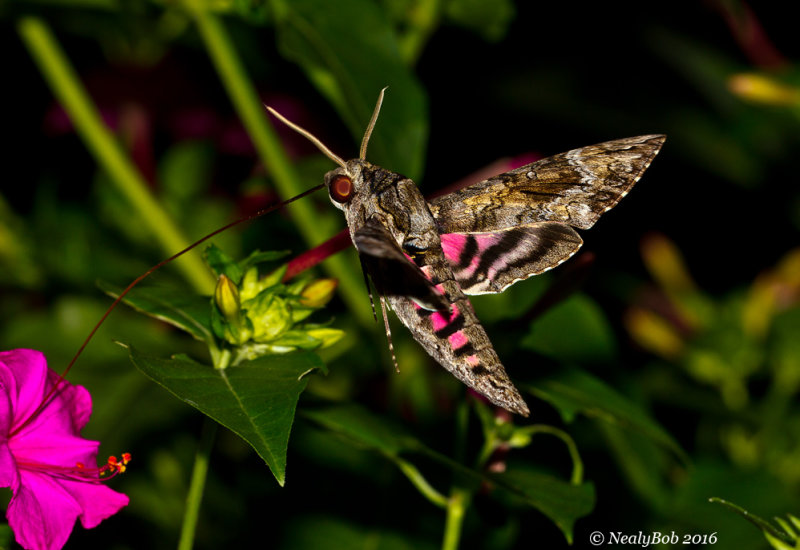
(574, 188)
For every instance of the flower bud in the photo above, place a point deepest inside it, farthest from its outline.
(227, 297)
(327, 336)
(318, 293)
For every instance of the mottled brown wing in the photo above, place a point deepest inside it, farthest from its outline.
(575, 188)
(392, 272)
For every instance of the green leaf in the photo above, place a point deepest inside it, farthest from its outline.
(368, 429)
(6, 536)
(759, 522)
(559, 500)
(187, 311)
(316, 532)
(257, 257)
(222, 264)
(255, 399)
(489, 19)
(576, 392)
(576, 330)
(185, 171)
(349, 52)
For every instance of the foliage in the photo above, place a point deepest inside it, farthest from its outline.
(661, 378)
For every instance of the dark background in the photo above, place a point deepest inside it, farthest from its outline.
(562, 75)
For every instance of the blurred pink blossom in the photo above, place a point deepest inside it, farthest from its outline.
(49, 467)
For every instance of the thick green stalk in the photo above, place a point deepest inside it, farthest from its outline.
(199, 474)
(252, 113)
(459, 498)
(103, 145)
(456, 509)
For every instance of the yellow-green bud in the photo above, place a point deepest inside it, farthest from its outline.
(227, 297)
(327, 336)
(318, 293)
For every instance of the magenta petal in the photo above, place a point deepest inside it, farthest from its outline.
(8, 466)
(97, 501)
(9, 475)
(55, 449)
(42, 513)
(28, 370)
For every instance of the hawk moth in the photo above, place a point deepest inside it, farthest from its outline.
(424, 258)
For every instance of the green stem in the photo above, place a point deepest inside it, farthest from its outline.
(577, 463)
(456, 509)
(103, 145)
(253, 115)
(419, 481)
(459, 498)
(197, 485)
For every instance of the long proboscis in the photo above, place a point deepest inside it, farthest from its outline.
(162, 263)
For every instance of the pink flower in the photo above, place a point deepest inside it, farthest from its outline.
(44, 459)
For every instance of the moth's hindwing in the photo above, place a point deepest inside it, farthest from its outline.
(487, 263)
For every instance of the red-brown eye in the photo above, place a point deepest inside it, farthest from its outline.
(341, 189)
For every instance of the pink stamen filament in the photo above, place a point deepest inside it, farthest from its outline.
(79, 472)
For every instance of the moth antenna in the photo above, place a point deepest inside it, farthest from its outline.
(308, 135)
(363, 151)
(388, 333)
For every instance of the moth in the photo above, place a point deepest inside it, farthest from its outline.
(426, 257)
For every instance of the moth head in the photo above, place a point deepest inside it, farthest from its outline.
(342, 183)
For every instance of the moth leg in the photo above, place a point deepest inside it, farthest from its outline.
(388, 333)
(369, 290)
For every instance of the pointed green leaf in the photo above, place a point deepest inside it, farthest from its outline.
(329, 40)
(576, 330)
(559, 500)
(368, 429)
(759, 522)
(489, 19)
(258, 256)
(222, 264)
(255, 399)
(576, 392)
(187, 311)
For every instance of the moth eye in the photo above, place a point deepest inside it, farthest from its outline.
(341, 189)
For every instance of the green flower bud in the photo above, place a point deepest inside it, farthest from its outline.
(328, 336)
(250, 286)
(318, 293)
(270, 315)
(227, 297)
